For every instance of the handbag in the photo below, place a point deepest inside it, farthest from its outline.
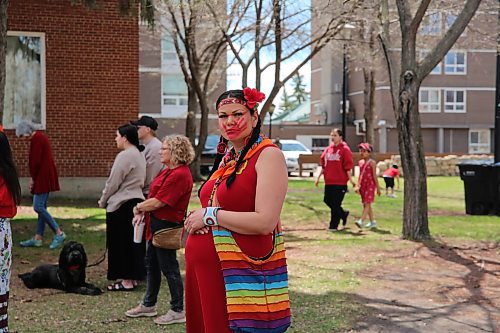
(257, 296)
(169, 238)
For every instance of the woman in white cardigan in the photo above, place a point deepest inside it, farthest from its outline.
(122, 192)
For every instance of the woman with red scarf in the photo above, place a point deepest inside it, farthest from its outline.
(243, 197)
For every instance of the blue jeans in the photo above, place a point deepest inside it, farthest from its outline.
(163, 261)
(40, 207)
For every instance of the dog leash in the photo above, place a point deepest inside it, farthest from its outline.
(100, 260)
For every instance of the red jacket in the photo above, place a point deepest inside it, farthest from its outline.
(336, 161)
(8, 207)
(42, 166)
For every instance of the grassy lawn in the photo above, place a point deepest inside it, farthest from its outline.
(323, 266)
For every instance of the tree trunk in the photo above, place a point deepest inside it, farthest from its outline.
(3, 47)
(191, 133)
(415, 221)
(369, 104)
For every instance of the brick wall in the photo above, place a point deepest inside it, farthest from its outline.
(92, 80)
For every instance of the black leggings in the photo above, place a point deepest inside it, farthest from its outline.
(334, 195)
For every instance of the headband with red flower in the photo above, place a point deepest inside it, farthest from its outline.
(252, 96)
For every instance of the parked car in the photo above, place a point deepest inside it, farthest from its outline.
(292, 149)
(209, 152)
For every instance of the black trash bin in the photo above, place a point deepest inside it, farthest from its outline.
(495, 187)
(478, 184)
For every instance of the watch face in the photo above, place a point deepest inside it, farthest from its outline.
(209, 221)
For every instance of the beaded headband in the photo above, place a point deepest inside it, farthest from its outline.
(231, 100)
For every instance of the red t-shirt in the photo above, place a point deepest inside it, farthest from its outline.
(391, 173)
(336, 161)
(173, 188)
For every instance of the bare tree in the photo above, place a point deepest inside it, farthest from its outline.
(3, 48)
(405, 79)
(270, 34)
(202, 61)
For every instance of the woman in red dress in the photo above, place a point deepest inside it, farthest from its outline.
(250, 182)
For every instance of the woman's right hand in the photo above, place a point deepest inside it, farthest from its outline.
(137, 219)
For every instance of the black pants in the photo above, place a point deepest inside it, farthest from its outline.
(163, 261)
(334, 195)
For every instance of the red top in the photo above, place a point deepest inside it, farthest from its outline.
(391, 172)
(42, 166)
(173, 188)
(336, 161)
(8, 207)
(204, 281)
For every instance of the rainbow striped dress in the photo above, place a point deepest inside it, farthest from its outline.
(256, 288)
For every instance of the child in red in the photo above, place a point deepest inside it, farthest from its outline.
(389, 176)
(367, 184)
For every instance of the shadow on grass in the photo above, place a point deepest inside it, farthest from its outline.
(348, 312)
(64, 202)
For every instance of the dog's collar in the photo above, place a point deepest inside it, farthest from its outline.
(74, 267)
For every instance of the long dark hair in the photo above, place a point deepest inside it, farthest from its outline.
(8, 169)
(130, 132)
(253, 138)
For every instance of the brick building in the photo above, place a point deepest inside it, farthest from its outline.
(456, 101)
(84, 76)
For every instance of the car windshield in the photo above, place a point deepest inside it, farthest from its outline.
(293, 147)
(212, 141)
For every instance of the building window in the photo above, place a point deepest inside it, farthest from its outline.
(455, 62)
(24, 79)
(431, 24)
(421, 56)
(168, 52)
(429, 100)
(449, 20)
(454, 101)
(174, 90)
(319, 144)
(479, 141)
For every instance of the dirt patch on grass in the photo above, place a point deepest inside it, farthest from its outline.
(434, 287)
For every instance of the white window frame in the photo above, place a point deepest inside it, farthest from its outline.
(480, 147)
(436, 70)
(43, 115)
(425, 107)
(455, 65)
(427, 29)
(164, 52)
(454, 104)
(177, 99)
(447, 26)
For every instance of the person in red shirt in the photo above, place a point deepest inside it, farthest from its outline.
(389, 176)
(10, 197)
(43, 181)
(165, 207)
(336, 165)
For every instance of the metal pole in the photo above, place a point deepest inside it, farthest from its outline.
(497, 114)
(270, 124)
(344, 93)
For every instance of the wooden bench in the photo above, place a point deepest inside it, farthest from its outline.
(315, 158)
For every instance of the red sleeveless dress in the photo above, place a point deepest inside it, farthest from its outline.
(205, 294)
(367, 186)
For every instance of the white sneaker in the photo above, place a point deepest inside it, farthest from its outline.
(141, 311)
(371, 224)
(359, 223)
(171, 317)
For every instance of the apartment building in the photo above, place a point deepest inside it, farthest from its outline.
(456, 101)
(163, 90)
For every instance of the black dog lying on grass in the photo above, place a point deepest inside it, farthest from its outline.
(69, 275)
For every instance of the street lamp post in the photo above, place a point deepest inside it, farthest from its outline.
(344, 93)
(271, 111)
(347, 34)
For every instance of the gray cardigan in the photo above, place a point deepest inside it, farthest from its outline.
(125, 181)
